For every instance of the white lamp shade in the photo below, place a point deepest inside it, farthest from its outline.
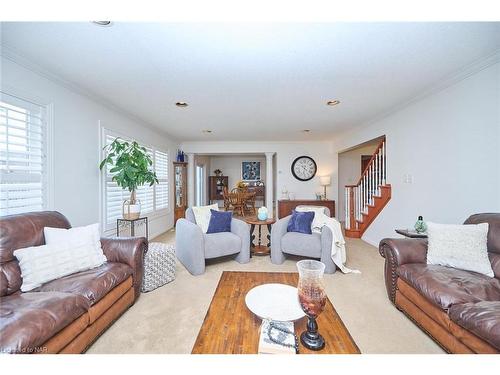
(325, 180)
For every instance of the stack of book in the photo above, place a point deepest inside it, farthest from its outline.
(277, 338)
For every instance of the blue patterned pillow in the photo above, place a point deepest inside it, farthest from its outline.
(300, 222)
(220, 221)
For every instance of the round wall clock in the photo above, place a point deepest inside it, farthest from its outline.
(304, 168)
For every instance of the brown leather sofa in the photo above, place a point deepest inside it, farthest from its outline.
(459, 309)
(64, 315)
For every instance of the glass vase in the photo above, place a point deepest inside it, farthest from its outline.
(312, 299)
(131, 211)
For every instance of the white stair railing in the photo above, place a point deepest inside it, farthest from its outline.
(358, 197)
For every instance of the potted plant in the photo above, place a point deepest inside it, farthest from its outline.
(218, 172)
(131, 166)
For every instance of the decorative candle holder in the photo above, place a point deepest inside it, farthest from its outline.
(312, 299)
(420, 226)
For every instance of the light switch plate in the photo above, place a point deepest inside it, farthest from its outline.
(408, 178)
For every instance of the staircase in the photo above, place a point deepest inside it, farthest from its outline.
(365, 200)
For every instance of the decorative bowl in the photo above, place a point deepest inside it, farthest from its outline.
(274, 301)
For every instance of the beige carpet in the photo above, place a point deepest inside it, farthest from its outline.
(167, 320)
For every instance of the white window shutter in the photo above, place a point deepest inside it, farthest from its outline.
(161, 189)
(153, 198)
(23, 147)
(146, 193)
(114, 195)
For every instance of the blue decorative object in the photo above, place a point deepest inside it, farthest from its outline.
(300, 222)
(220, 221)
(262, 213)
(250, 170)
(180, 156)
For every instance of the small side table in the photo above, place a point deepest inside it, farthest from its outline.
(260, 249)
(411, 233)
(131, 224)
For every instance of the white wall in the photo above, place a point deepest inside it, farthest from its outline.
(449, 143)
(322, 152)
(76, 146)
(350, 171)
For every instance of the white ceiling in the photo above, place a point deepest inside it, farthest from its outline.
(253, 82)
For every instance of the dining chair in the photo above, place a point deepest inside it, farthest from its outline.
(250, 202)
(225, 196)
(235, 200)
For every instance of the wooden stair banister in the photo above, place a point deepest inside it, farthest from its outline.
(366, 199)
(380, 145)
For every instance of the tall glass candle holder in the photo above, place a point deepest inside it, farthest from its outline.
(312, 299)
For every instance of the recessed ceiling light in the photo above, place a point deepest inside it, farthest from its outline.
(306, 131)
(181, 104)
(333, 102)
(207, 131)
(103, 23)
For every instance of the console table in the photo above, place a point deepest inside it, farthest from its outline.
(286, 206)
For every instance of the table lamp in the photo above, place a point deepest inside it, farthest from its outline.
(325, 181)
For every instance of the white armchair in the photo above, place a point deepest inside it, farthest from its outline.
(313, 245)
(192, 246)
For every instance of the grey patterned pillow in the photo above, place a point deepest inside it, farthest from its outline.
(459, 246)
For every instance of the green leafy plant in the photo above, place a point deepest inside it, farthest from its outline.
(131, 165)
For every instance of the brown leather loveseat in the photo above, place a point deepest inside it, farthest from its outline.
(459, 309)
(64, 315)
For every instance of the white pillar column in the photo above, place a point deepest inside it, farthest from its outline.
(269, 183)
(190, 179)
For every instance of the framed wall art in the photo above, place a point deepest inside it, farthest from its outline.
(250, 170)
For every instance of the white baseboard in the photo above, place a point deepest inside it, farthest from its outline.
(370, 241)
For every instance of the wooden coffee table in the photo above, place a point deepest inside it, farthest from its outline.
(231, 328)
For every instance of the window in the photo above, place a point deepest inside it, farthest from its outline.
(23, 156)
(153, 198)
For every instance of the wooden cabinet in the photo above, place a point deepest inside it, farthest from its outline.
(216, 186)
(285, 207)
(180, 190)
(260, 192)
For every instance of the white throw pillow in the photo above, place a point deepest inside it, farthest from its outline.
(75, 237)
(202, 215)
(41, 264)
(318, 221)
(459, 246)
